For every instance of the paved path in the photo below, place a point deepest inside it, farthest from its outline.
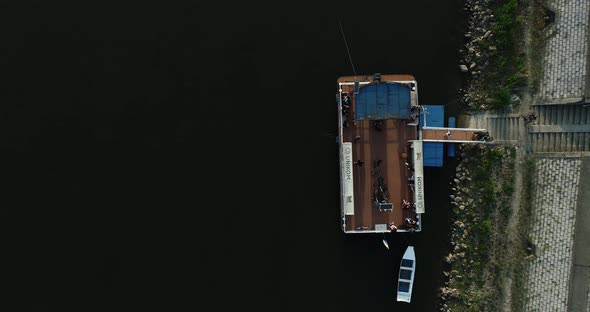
(554, 216)
(559, 276)
(564, 128)
(565, 78)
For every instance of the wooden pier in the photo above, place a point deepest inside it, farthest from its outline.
(453, 135)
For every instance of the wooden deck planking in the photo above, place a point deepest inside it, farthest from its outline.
(459, 135)
(387, 146)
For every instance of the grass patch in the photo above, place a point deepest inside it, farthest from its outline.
(508, 66)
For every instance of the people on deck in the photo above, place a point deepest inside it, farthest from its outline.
(347, 99)
(392, 227)
(378, 125)
(410, 221)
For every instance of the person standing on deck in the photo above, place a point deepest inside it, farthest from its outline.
(392, 227)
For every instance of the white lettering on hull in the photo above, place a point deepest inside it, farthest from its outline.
(348, 196)
(418, 177)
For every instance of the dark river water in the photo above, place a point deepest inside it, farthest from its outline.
(313, 264)
(183, 155)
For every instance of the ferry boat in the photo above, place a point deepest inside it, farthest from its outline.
(405, 280)
(381, 164)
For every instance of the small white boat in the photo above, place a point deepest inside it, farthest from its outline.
(406, 275)
(385, 243)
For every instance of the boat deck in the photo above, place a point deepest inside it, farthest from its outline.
(385, 152)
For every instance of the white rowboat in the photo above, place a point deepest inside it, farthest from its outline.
(406, 275)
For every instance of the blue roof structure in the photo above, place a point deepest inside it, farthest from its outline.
(433, 116)
(383, 101)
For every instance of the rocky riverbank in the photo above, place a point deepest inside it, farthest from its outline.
(481, 194)
(474, 58)
(491, 57)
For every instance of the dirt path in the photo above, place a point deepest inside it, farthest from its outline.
(514, 241)
(511, 229)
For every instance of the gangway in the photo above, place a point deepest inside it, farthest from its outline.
(457, 135)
